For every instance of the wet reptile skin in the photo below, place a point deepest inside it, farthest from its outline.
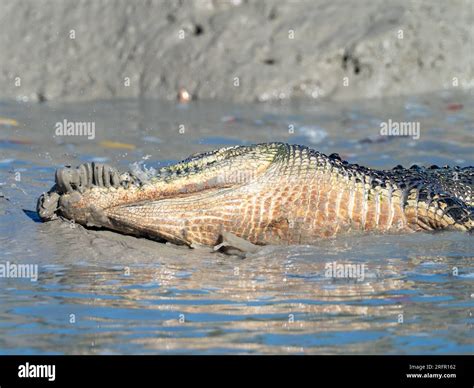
(267, 193)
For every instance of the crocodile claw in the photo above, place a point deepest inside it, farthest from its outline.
(85, 176)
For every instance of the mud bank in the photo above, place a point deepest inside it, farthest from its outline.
(233, 50)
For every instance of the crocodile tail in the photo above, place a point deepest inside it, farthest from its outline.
(434, 211)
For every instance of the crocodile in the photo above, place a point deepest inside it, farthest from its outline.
(271, 193)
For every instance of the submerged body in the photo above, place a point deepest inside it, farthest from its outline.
(267, 194)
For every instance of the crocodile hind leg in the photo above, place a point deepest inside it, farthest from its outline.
(96, 194)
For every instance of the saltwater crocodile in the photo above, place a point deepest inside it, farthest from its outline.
(271, 193)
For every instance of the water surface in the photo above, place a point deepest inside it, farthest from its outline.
(102, 293)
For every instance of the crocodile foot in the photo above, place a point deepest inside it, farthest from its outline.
(72, 183)
(234, 245)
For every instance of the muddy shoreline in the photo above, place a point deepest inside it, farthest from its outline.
(233, 50)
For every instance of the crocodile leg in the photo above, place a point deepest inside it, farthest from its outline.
(98, 195)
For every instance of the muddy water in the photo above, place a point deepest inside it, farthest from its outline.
(98, 292)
